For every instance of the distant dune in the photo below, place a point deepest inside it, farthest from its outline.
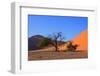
(81, 40)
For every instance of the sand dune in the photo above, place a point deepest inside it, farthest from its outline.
(82, 40)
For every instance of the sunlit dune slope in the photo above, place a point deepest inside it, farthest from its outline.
(81, 40)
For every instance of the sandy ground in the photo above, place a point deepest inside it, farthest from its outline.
(51, 55)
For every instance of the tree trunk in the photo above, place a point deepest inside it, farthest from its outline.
(56, 48)
(56, 45)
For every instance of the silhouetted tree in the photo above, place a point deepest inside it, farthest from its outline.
(55, 39)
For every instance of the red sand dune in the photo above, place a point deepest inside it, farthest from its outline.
(81, 40)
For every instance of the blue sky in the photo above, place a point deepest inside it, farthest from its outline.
(45, 25)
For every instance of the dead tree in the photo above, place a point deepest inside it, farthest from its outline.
(56, 39)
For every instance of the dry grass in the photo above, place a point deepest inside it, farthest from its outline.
(51, 55)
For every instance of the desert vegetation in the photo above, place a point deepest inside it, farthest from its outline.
(71, 46)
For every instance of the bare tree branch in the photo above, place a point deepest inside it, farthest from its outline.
(56, 38)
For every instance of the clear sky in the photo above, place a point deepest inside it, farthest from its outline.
(45, 25)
